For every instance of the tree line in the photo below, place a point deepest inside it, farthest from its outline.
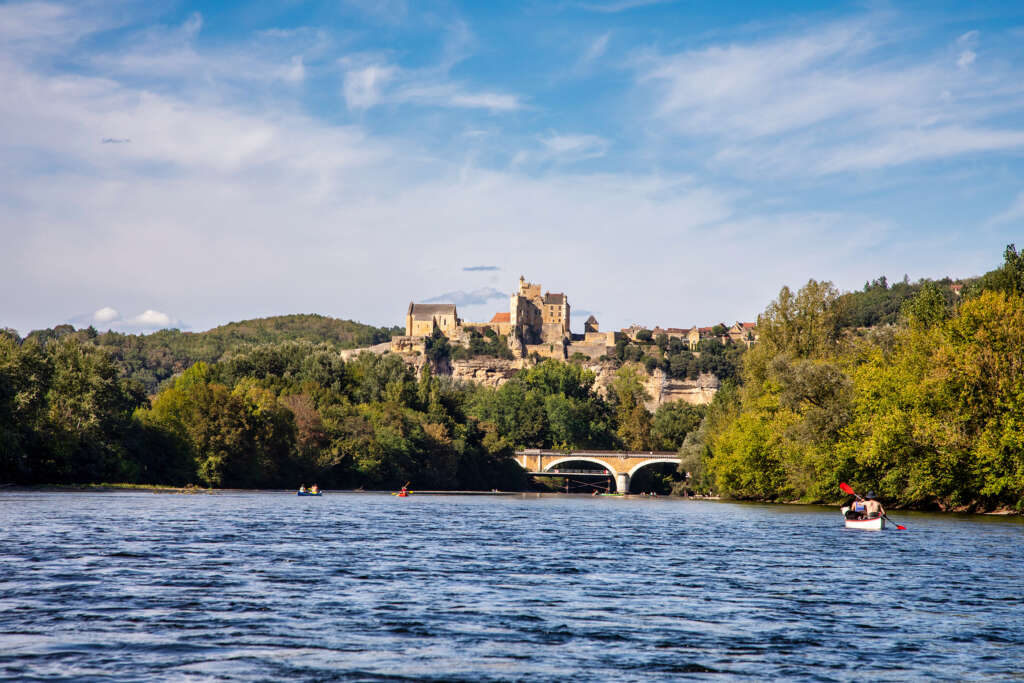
(275, 415)
(926, 411)
(157, 357)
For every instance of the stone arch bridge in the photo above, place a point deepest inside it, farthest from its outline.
(621, 465)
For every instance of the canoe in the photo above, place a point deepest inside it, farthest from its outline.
(875, 524)
(307, 493)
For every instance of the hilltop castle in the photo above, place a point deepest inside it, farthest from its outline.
(534, 324)
(539, 324)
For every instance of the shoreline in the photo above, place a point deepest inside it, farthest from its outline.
(188, 490)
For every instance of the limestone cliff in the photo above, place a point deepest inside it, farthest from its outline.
(493, 372)
(659, 386)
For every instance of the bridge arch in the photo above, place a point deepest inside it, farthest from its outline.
(580, 458)
(614, 474)
(653, 461)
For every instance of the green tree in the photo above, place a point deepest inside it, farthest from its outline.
(672, 422)
(634, 421)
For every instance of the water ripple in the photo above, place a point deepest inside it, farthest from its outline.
(262, 586)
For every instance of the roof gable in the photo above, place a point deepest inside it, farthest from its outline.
(430, 310)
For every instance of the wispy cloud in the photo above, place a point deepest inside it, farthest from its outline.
(474, 269)
(370, 80)
(1014, 213)
(614, 6)
(370, 85)
(595, 49)
(455, 95)
(835, 99)
(574, 147)
(362, 87)
(469, 298)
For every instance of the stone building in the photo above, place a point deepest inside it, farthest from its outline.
(743, 333)
(592, 343)
(535, 323)
(422, 319)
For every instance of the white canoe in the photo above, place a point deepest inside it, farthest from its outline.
(876, 524)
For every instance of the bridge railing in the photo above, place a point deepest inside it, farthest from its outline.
(597, 453)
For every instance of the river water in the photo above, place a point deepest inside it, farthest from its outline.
(134, 586)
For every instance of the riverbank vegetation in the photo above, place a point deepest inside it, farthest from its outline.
(277, 414)
(927, 411)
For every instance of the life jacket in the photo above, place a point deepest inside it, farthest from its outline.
(859, 506)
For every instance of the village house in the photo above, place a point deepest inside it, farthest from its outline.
(743, 333)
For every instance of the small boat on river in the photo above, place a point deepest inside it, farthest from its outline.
(307, 493)
(873, 524)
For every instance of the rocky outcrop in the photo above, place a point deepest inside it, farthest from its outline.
(493, 372)
(379, 349)
(698, 391)
(659, 386)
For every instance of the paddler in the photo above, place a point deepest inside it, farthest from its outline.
(302, 488)
(314, 489)
(872, 508)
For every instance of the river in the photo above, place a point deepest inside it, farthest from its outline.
(138, 586)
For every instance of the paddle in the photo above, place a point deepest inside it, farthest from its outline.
(849, 489)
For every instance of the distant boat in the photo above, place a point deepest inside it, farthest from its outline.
(307, 493)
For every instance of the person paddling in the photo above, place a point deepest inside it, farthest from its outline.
(857, 509)
(872, 508)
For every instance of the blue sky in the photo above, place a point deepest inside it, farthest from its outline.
(669, 163)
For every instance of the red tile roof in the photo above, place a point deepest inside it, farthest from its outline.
(501, 318)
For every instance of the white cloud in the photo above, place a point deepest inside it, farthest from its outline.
(370, 80)
(150, 318)
(366, 86)
(575, 147)
(105, 315)
(614, 6)
(826, 94)
(920, 145)
(596, 48)
(362, 87)
(966, 58)
(968, 38)
(108, 318)
(295, 72)
(452, 95)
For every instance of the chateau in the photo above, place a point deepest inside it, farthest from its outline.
(539, 324)
(536, 323)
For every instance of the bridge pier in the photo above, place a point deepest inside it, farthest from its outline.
(622, 483)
